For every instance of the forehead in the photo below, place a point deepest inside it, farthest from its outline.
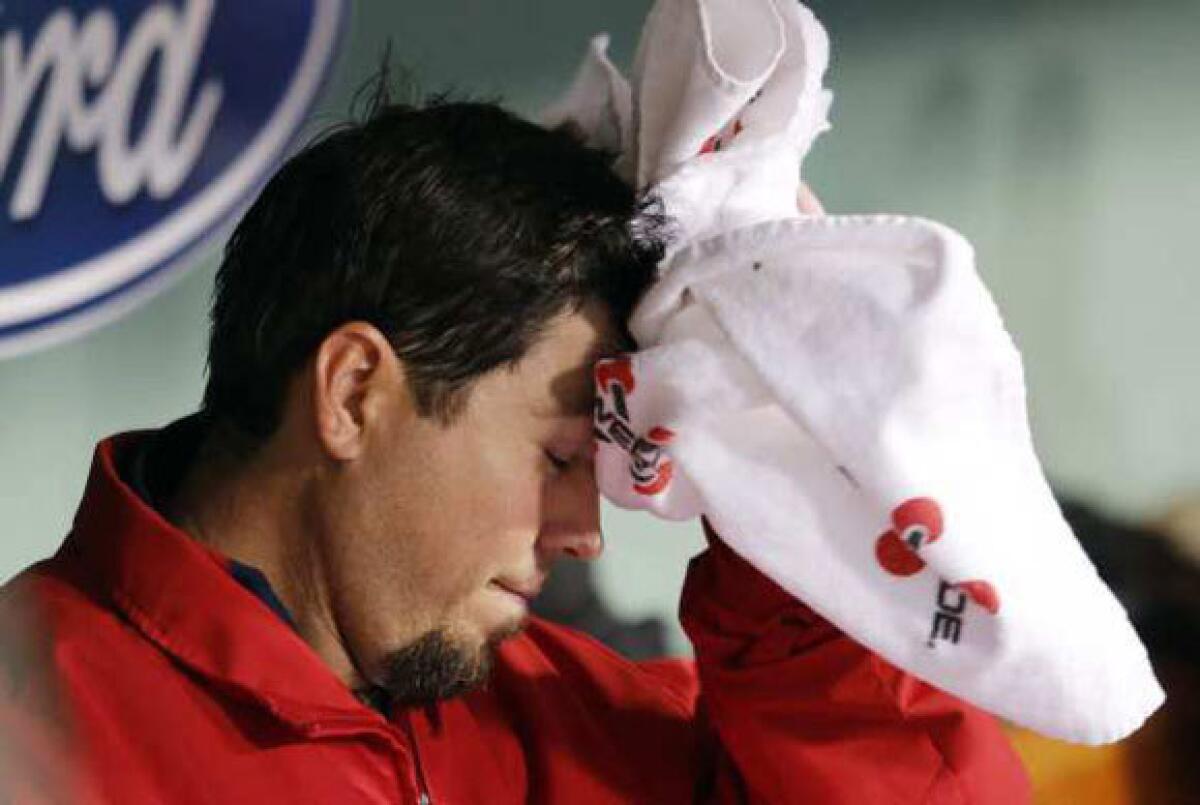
(554, 378)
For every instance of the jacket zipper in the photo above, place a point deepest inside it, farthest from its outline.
(422, 786)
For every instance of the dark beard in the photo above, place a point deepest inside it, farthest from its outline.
(434, 667)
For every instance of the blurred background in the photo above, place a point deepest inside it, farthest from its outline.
(1061, 136)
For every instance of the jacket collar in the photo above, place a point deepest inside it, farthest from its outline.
(182, 597)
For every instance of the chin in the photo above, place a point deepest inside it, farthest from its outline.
(441, 665)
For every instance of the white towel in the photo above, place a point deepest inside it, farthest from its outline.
(838, 394)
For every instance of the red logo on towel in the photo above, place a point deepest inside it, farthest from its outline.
(727, 132)
(916, 523)
(649, 468)
(722, 138)
(651, 472)
(615, 370)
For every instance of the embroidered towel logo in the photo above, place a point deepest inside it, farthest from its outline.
(131, 132)
(916, 523)
(649, 468)
(722, 138)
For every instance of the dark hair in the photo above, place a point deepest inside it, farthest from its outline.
(455, 228)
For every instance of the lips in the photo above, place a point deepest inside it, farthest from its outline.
(527, 590)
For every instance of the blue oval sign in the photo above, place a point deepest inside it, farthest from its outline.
(130, 132)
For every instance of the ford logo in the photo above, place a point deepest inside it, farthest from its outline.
(130, 134)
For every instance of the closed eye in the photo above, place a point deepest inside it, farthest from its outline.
(558, 463)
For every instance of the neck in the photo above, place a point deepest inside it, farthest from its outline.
(253, 511)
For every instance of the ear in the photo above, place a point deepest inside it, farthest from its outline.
(355, 376)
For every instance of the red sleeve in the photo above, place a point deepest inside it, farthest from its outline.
(804, 714)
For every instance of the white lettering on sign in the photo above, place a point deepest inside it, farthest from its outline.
(75, 60)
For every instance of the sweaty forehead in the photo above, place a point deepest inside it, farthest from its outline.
(557, 371)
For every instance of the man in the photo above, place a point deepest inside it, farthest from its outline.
(314, 590)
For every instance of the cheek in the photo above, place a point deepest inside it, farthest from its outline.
(490, 515)
(431, 525)
(496, 538)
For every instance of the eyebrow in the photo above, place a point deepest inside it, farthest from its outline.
(578, 406)
(582, 405)
(578, 399)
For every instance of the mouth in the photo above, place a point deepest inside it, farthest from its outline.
(525, 591)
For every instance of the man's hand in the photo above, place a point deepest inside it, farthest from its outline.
(807, 201)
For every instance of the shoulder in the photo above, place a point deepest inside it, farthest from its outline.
(55, 630)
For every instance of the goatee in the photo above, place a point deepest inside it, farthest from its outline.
(436, 667)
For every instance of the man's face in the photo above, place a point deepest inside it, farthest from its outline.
(439, 535)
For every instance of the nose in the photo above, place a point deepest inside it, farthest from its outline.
(571, 517)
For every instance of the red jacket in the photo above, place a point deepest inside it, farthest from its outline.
(167, 681)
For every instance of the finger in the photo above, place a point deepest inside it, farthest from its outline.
(807, 201)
